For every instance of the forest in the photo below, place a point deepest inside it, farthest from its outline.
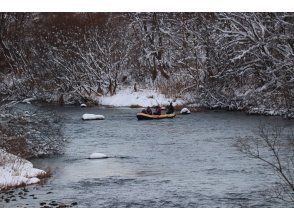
(201, 61)
(234, 61)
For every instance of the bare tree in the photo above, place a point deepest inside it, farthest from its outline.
(237, 61)
(274, 146)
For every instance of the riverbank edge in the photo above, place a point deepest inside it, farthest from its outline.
(141, 98)
(193, 107)
(18, 172)
(249, 111)
(15, 168)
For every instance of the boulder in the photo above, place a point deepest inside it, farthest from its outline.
(185, 111)
(98, 156)
(92, 117)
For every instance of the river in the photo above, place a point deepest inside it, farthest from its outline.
(188, 161)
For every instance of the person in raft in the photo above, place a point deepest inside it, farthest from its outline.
(170, 108)
(157, 110)
(147, 111)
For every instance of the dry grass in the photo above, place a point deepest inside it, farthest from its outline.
(48, 173)
(14, 140)
(17, 146)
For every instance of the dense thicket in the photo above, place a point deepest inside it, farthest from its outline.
(216, 60)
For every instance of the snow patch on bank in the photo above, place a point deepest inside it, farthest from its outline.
(15, 171)
(128, 97)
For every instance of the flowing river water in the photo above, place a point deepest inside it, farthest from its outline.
(188, 161)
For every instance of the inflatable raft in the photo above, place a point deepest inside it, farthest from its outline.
(143, 116)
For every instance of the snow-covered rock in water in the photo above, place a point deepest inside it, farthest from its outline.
(83, 105)
(185, 111)
(92, 117)
(143, 98)
(98, 156)
(28, 100)
(33, 180)
(15, 171)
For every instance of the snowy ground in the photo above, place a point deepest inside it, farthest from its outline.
(143, 98)
(15, 171)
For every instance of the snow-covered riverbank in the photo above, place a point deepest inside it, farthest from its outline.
(143, 98)
(127, 97)
(15, 171)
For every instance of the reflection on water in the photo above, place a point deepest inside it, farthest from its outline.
(189, 161)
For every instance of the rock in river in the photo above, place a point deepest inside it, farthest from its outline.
(98, 156)
(92, 117)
